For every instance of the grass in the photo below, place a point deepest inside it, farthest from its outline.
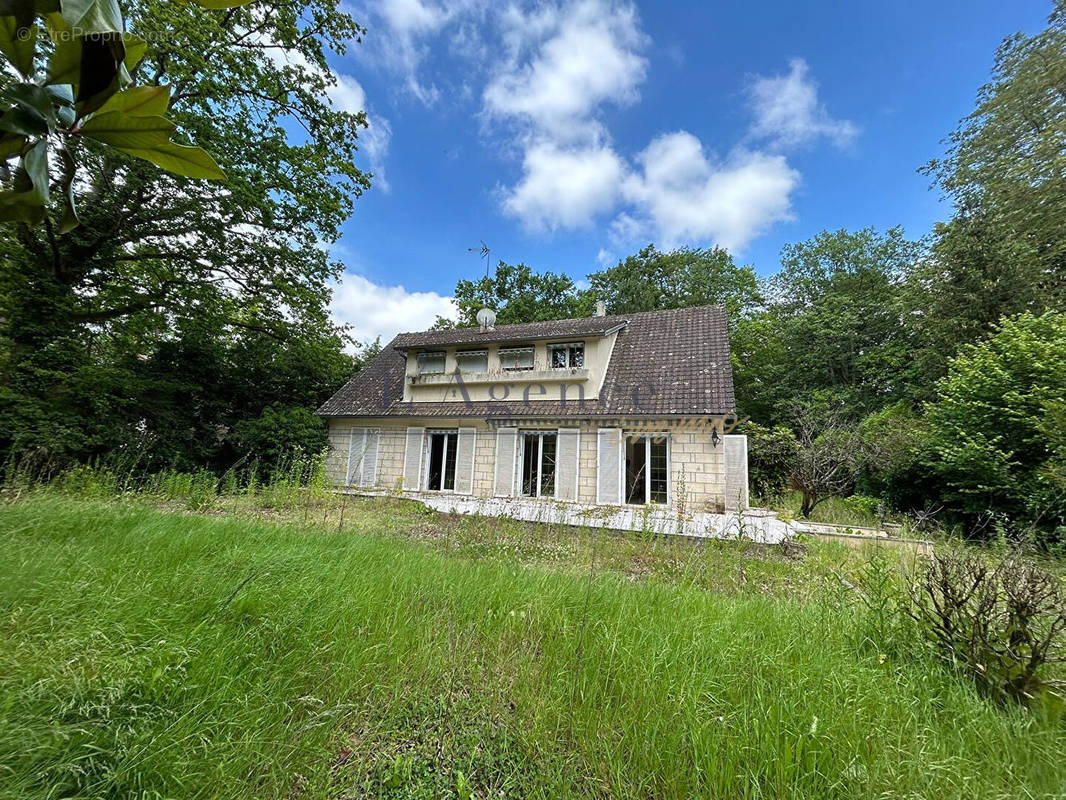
(282, 652)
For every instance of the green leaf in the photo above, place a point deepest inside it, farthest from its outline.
(93, 16)
(18, 36)
(9, 145)
(63, 94)
(26, 123)
(102, 70)
(33, 99)
(136, 47)
(69, 221)
(126, 131)
(64, 65)
(139, 101)
(28, 196)
(191, 162)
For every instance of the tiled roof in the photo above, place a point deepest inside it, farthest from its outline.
(556, 329)
(664, 363)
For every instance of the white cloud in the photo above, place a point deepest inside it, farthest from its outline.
(589, 54)
(681, 195)
(787, 111)
(373, 310)
(564, 187)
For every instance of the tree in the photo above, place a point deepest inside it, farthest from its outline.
(829, 456)
(518, 294)
(158, 257)
(990, 422)
(833, 326)
(652, 280)
(772, 460)
(1004, 252)
(77, 86)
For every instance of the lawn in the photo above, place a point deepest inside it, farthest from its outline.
(152, 652)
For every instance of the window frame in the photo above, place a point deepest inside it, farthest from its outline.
(459, 354)
(523, 349)
(422, 359)
(565, 347)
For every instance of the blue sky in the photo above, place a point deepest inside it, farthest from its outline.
(569, 134)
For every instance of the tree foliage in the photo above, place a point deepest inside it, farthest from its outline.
(989, 423)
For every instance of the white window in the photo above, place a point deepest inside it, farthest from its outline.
(569, 355)
(516, 358)
(431, 362)
(472, 361)
(647, 469)
(537, 457)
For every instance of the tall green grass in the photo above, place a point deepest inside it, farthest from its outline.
(149, 653)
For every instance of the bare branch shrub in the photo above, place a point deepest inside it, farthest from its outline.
(1004, 622)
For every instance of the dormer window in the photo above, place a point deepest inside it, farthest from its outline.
(566, 356)
(471, 361)
(516, 358)
(431, 362)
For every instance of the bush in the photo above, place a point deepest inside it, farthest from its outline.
(280, 435)
(1004, 623)
(995, 435)
(771, 459)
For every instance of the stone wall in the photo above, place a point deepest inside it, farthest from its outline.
(697, 468)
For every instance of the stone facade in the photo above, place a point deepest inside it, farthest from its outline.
(697, 476)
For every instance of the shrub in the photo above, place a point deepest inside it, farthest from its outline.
(994, 430)
(772, 457)
(1002, 621)
(281, 435)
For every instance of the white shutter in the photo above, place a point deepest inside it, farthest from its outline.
(567, 458)
(464, 461)
(609, 466)
(412, 460)
(506, 445)
(368, 472)
(736, 472)
(355, 456)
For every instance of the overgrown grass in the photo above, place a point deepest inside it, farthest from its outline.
(270, 652)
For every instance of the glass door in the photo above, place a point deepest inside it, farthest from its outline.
(440, 460)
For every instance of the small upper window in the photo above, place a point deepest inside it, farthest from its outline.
(470, 361)
(431, 362)
(571, 354)
(515, 358)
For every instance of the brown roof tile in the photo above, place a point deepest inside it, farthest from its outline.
(664, 363)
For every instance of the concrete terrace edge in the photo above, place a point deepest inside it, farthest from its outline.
(755, 525)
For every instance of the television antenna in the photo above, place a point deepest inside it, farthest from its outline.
(484, 252)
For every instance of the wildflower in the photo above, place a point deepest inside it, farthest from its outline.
(881, 659)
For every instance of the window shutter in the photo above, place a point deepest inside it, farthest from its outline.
(412, 460)
(736, 472)
(355, 456)
(567, 457)
(506, 445)
(464, 461)
(368, 473)
(609, 463)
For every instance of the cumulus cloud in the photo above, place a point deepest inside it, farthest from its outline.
(564, 187)
(681, 195)
(374, 310)
(787, 111)
(588, 55)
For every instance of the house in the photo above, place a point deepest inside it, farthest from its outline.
(630, 411)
